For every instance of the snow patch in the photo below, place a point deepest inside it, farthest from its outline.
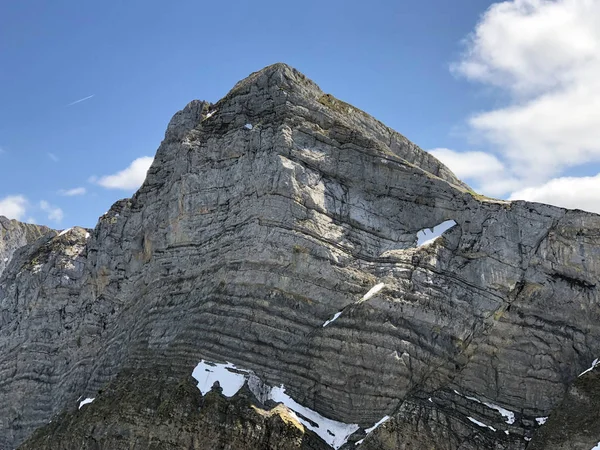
(5, 259)
(248, 126)
(334, 433)
(378, 424)
(62, 233)
(85, 402)
(509, 416)
(231, 379)
(594, 364)
(427, 235)
(541, 420)
(333, 319)
(374, 290)
(210, 114)
(596, 447)
(481, 424)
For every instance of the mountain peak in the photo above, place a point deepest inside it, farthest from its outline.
(278, 75)
(275, 241)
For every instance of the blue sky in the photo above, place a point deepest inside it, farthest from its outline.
(462, 79)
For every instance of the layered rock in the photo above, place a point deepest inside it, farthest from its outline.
(264, 221)
(14, 235)
(154, 410)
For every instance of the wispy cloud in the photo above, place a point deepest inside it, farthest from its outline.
(53, 157)
(73, 192)
(81, 100)
(54, 213)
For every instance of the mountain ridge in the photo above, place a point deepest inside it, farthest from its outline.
(266, 215)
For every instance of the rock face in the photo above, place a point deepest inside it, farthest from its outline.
(277, 230)
(14, 235)
(158, 412)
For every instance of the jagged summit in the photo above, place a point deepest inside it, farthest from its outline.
(279, 95)
(275, 240)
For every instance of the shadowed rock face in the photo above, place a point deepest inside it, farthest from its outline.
(268, 213)
(151, 410)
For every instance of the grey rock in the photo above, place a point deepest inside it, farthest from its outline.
(14, 235)
(159, 412)
(244, 241)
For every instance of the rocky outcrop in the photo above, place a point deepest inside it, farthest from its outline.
(574, 424)
(14, 235)
(154, 410)
(277, 229)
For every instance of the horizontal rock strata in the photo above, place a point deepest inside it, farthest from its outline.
(276, 210)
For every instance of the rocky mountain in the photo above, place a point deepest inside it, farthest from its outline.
(273, 253)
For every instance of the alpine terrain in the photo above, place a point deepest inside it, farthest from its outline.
(269, 287)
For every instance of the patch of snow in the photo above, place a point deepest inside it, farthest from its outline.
(5, 259)
(37, 268)
(207, 373)
(231, 380)
(596, 447)
(541, 420)
(509, 416)
(527, 438)
(481, 424)
(333, 319)
(334, 433)
(428, 235)
(374, 290)
(359, 442)
(85, 402)
(594, 364)
(248, 126)
(378, 424)
(87, 235)
(210, 114)
(64, 232)
(66, 277)
(506, 432)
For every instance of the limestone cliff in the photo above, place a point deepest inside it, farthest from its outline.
(277, 231)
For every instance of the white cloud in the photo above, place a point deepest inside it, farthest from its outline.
(545, 55)
(484, 171)
(13, 207)
(53, 157)
(73, 192)
(568, 192)
(54, 213)
(469, 164)
(128, 179)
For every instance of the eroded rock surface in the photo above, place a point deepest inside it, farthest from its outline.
(152, 410)
(14, 235)
(275, 212)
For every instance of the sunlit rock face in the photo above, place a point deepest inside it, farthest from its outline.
(277, 231)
